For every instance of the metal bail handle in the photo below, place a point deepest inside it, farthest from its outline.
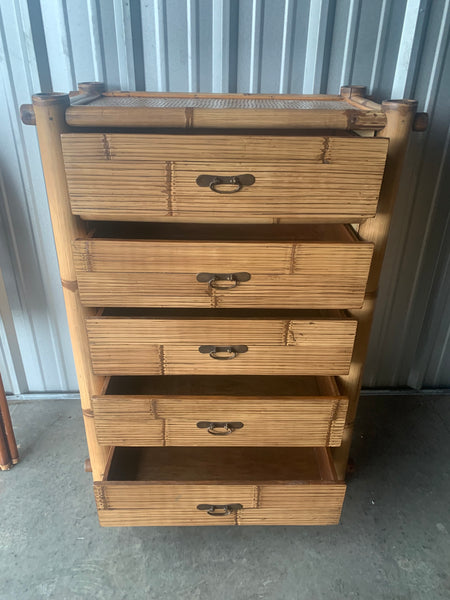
(219, 510)
(219, 428)
(229, 351)
(238, 181)
(214, 279)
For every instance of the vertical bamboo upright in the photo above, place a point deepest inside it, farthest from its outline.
(49, 110)
(400, 120)
(9, 454)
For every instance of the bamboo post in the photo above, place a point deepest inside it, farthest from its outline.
(400, 115)
(5, 458)
(9, 454)
(49, 110)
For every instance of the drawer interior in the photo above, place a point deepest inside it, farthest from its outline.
(212, 385)
(213, 232)
(220, 313)
(224, 465)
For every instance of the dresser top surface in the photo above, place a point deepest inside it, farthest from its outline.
(226, 111)
(221, 102)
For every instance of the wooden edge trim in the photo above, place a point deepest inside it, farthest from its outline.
(323, 97)
(115, 116)
(238, 482)
(364, 104)
(421, 122)
(51, 99)
(69, 285)
(91, 87)
(348, 91)
(87, 92)
(337, 316)
(104, 388)
(107, 468)
(82, 98)
(27, 115)
(325, 463)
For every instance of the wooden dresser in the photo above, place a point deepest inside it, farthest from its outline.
(219, 256)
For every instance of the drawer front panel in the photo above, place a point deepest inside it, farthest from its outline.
(131, 504)
(164, 274)
(131, 346)
(147, 177)
(165, 421)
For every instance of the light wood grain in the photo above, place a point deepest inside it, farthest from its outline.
(298, 494)
(400, 118)
(348, 117)
(164, 273)
(171, 420)
(152, 177)
(154, 346)
(49, 111)
(141, 177)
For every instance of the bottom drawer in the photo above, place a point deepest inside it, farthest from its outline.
(216, 486)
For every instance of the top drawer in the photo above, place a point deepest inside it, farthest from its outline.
(218, 178)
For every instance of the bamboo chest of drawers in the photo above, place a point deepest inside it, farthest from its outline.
(219, 256)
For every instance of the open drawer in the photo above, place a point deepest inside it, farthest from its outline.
(259, 266)
(218, 486)
(220, 411)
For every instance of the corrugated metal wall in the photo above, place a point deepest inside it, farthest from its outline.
(398, 48)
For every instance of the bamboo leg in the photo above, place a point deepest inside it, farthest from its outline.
(400, 118)
(5, 458)
(49, 112)
(8, 439)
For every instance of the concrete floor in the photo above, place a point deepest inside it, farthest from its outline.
(393, 542)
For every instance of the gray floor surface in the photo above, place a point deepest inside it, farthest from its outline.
(393, 541)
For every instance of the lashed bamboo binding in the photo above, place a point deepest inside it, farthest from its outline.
(220, 302)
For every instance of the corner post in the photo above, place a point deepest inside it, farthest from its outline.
(49, 110)
(399, 123)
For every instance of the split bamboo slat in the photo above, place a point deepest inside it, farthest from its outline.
(172, 346)
(140, 177)
(271, 486)
(163, 273)
(233, 241)
(306, 411)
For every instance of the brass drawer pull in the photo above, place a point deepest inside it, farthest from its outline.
(219, 428)
(229, 351)
(238, 181)
(216, 280)
(219, 510)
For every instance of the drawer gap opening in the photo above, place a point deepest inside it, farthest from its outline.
(225, 465)
(219, 313)
(214, 232)
(224, 386)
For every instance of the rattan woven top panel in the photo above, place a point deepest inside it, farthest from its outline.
(220, 103)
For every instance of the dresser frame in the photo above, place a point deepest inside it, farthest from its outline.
(54, 114)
